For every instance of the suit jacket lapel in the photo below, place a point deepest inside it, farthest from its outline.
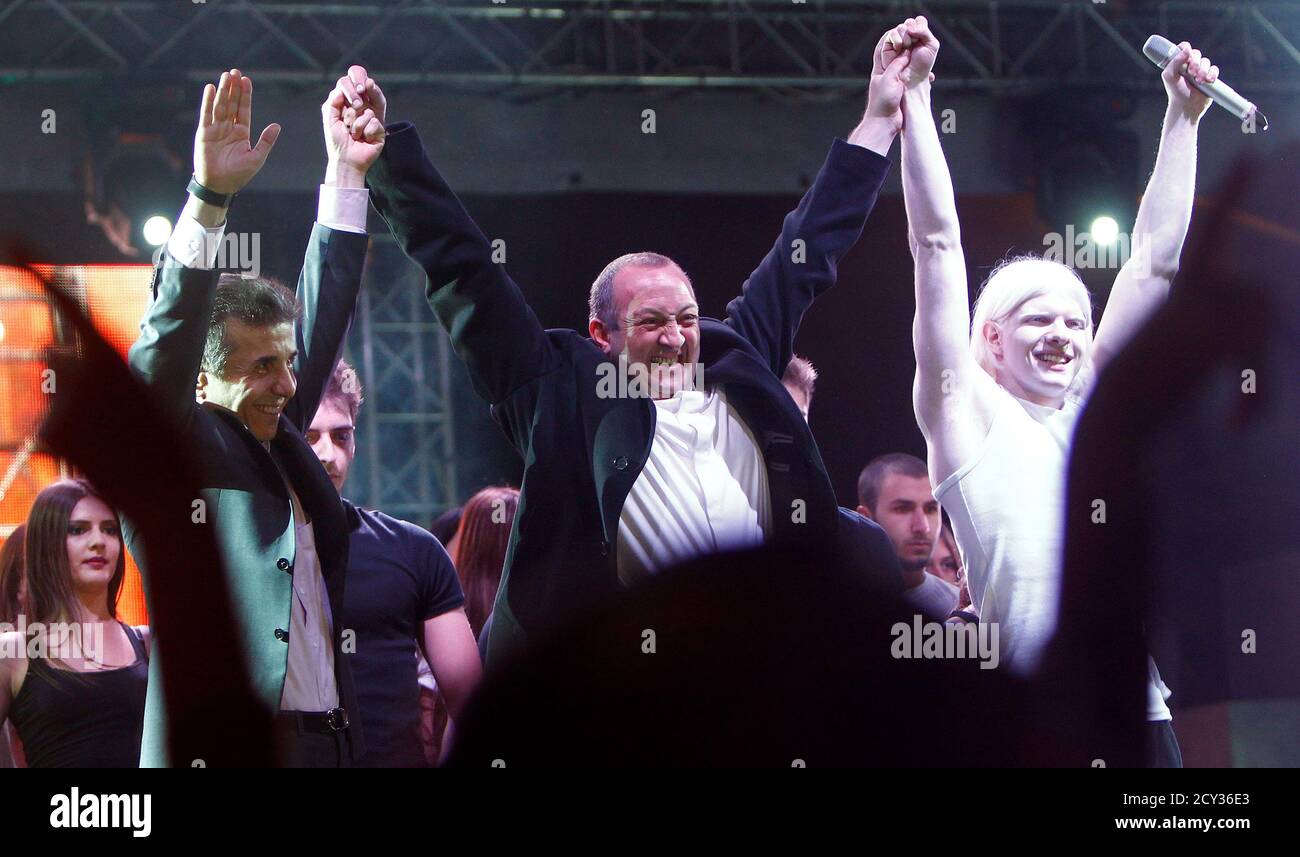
(315, 492)
(619, 450)
(321, 502)
(789, 453)
(622, 440)
(270, 474)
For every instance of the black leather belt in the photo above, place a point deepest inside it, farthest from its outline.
(325, 723)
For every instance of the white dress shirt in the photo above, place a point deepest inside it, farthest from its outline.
(309, 682)
(703, 489)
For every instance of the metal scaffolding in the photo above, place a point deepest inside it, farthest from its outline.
(406, 440)
(801, 44)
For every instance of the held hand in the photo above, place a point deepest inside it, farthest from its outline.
(353, 118)
(923, 47)
(361, 90)
(885, 93)
(902, 60)
(1184, 97)
(888, 49)
(223, 159)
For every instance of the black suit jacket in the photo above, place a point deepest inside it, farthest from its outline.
(583, 452)
(243, 495)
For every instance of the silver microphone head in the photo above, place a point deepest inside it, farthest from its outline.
(1160, 50)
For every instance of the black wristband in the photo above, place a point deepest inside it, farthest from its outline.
(211, 197)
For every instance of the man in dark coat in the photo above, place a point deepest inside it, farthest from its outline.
(664, 435)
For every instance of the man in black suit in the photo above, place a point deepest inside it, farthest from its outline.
(664, 435)
(232, 344)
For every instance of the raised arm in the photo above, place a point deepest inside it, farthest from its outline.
(168, 354)
(353, 120)
(1165, 212)
(824, 226)
(948, 381)
(491, 325)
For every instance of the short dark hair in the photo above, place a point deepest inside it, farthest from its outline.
(345, 386)
(873, 475)
(600, 304)
(254, 301)
(445, 525)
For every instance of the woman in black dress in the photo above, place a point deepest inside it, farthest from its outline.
(72, 681)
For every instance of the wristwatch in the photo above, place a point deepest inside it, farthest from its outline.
(211, 197)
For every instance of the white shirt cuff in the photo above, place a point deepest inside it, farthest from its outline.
(195, 245)
(343, 208)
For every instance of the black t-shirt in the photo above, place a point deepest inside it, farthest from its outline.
(94, 719)
(398, 576)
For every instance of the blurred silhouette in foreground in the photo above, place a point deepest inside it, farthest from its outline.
(769, 657)
(104, 421)
(1190, 441)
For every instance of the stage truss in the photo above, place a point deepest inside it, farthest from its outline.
(799, 44)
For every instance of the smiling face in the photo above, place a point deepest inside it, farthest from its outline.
(333, 439)
(657, 326)
(1039, 348)
(94, 544)
(258, 378)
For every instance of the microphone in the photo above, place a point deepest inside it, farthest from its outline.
(1160, 51)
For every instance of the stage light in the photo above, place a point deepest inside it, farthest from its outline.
(157, 230)
(1082, 183)
(1104, 230)
(1084, 156)
(130, 185)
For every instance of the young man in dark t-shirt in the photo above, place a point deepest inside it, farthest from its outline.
(401, 593)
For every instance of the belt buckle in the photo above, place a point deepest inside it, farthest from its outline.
(337, 719)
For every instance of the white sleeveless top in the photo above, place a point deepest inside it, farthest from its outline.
(1007, 506)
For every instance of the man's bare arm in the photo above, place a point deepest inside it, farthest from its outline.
(1143, 283)
(452, 653)
(941, 327)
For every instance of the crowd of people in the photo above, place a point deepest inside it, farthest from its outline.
(366, 637)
